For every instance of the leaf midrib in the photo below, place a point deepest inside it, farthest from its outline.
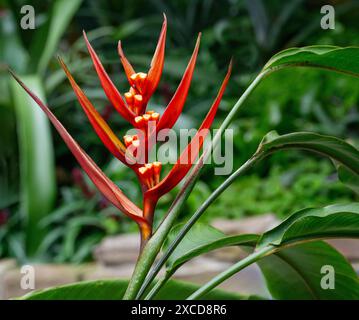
(301, 275)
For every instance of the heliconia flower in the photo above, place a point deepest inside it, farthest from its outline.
(142, 85)
(133, 109)
(176, 104)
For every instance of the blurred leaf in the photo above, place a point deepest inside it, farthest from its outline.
(349, 178)
(17, 247)
(51, 237)
(38, 186)
(47, 37)
(288, 10)
(258, 14)
(128, 28)
(12, 53)
(62, 212)
(9, 164)
(85, 248)
(73, 230)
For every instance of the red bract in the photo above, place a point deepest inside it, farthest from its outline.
(100, 180)
(145, 84)
(133, 108)
(189, 155)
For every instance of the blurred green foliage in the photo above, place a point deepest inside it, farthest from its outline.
(283, 190)
(250, 31)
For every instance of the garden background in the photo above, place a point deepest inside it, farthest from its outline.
(51, 212)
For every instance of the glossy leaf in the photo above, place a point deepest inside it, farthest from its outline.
(115, 289)
(335, 221)
(339, 221)
(345, 60)
(298, 273)
(201, 239)
(332, 147)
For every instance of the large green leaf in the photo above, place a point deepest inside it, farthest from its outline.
(301, 266)
(332, 58)
(337, 149)
(335, 221)
(297, 273)
(9, 166)
(201, 239)
(115, 289)
(12, 52)
(38, 186)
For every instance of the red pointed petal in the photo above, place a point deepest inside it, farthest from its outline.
(125, 63)
(100, 180)
(107, 136)
(175, 106)
(155, 72)
(110, 90)
(185, 161)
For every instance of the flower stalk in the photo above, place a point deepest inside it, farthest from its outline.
(250, 259)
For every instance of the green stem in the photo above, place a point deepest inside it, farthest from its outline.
(252, 258)
(157, 287)
(150, 251)
(190, 182)
(154, 245)
(233, 113)
(193, 219)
